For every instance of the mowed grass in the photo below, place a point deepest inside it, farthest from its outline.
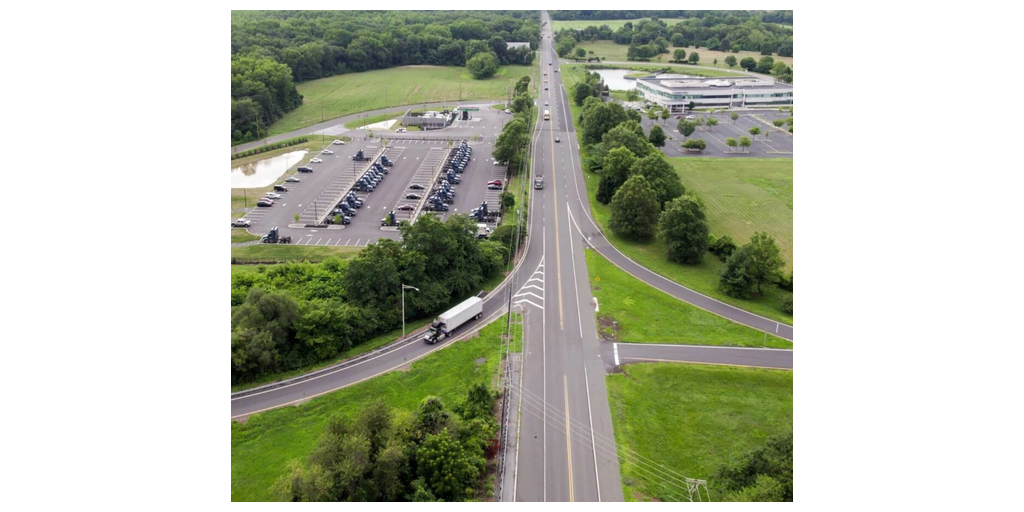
(239, 235)
(692, 419)
(375, 119)
(647, 315)
(288, 252)
(557, 25)
(702, 277)
(744, 195)
(262, 446)
(406, 85)
(618, 52)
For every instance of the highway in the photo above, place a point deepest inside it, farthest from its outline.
(564, 447)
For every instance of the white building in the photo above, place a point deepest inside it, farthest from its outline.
(677, 93)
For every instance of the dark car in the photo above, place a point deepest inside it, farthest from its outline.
(305, 169)
(413, 196)
(407, 207)
(280, 188)
(265, 203)
(416, 186)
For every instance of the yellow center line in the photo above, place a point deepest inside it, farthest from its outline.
(568, 438)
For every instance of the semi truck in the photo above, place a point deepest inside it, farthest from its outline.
(452, 319)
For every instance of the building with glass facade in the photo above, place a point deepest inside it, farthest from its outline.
(676, 93)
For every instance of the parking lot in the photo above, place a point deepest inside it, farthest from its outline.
(779, 143)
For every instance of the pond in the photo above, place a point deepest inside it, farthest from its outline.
(616, 79)
(264, 172)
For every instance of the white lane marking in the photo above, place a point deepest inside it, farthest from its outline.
(572, 254)
(616, 347)
(531, 286)
(527, 293)
(317, 240)
(593, 442)
(357, 241)
(528, 302)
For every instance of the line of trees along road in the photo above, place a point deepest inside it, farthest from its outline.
(279, 48)
(293, 315)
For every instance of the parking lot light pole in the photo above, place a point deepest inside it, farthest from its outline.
(403, 306)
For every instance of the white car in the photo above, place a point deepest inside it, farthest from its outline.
(315, 161)
(327, 152)
(272, 195)
(241, 223)
(339, 142)
(690, 118)
(507, 111)
(401, 130)
(545, 103)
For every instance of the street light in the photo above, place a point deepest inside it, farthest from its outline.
(403, 306)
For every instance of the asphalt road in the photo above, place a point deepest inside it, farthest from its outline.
(616, 354)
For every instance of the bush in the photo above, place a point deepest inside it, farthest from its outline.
(723, 247)
(786, 283)
(505, 234)
(787, 305)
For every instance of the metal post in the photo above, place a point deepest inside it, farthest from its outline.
(404, 286)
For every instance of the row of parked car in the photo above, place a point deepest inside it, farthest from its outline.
(369, 180)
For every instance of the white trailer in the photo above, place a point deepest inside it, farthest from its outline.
(450, 320)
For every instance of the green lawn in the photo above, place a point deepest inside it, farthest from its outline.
(744, 195)
(340, 95)
(617, 52)
(704, 276)
(279, 253)
(692, 419)
(642, 312)
(239, 235)
(363, 121)
(557, 25)
(262, 446)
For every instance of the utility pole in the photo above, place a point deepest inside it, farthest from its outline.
(404, 286)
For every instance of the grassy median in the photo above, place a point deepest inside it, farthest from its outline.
(262, 446)
(644, 314)
(691, 420)
(283, 253)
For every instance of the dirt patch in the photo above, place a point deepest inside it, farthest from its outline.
(607, 329)
(480, 361)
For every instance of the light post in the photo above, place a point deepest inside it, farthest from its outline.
(403, 306)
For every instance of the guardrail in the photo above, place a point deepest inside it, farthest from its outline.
(327, 211)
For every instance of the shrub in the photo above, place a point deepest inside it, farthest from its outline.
(787, 305)
(723, 247)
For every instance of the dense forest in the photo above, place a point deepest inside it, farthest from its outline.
(271, 50)
(785, 17)
(292, 315)
(727, 31)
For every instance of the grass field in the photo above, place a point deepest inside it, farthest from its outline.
(363, 121)
(641, 312)
(262, 446)
(744, 195)
(692, 419)
(557, 25)
(287, 252)
(239, 235)
(617, 52)
(703, 277)
(407, 85)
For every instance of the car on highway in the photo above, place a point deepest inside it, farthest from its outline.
(327, 152)
(416, 186)
(545, 87)
(339, 142)
(241, 223)
(413, 196)
(558, 139)
(494, 182)
(304, 169)
(271, 195)
(493, 187)
(556, 71)
(292, 179)
(407, 207)
(545, 103)
(538, 183)
(264, 203)
(316, 161)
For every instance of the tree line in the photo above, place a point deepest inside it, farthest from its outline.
(436, 454)
(510, 146)
(294, 315)
(315, 44)
(648, 38)
(648, 200)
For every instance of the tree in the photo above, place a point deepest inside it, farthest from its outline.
(507, 201)
(580, 53)
(635, 210)
(679, 55)
(653, 114)
(762, 474)
(694, 58)
(779, 122)
(734, 116)
(766, 263)
(731, 142)
(665, 114)
(599, 118)
(712, 121)
(748, 63)
(765, 64)
(736, 280)
(686, 127)
(449, 472)
(683, 226)
(483, 65)
(661, 176)
(755, 131)
(632, 95)
(779, 68)
(715, 62)
(745, 143)
(522, 103)
(697, 144)
(617, 165)
(582, 92)
(731, 61)
(628, 134)
(657, 136)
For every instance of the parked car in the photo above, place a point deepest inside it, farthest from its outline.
(241, 223)
(494, 187)
(327, 152)
(305, 169)
(507, 111)
(416, 186)
(264, 203)
(271, 195)
(339, 142)
(292, 179)
(280, 188)
(407, 207)
(401, 130)
(413, 196)
(494, 182)
(316, 161)
(691, 118)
